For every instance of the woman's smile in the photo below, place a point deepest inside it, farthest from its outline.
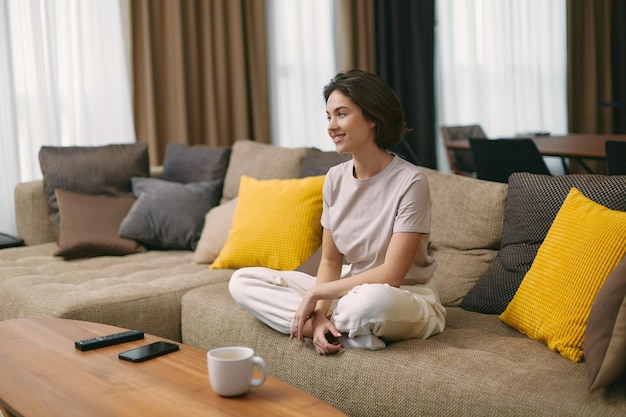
(347, 127)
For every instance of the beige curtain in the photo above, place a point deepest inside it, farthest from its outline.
(589, 66)
(356, 47)
(200, 72)
(589, 80)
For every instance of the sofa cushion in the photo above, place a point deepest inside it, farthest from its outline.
(605, 337)
(195, 163)
(31, 213)
(217, 223)
(478, 366)
(466, 224)
(318, 162)
(89, 225)
(138, 291)
(169, 215)
(583, 245)
(105, 170)
(532, 204)
(276, 224)
(260, 161)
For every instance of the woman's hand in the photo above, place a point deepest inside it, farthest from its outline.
(325, 336)
(304, 313)
(318, 326)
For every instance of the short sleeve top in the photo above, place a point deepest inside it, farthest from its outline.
(363, 214)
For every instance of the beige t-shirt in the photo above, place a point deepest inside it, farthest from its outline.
(363, 214)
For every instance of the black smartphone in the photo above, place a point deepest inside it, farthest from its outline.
(150, 351)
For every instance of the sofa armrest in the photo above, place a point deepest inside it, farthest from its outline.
(31, 210)
(156, 171)
(31, 213)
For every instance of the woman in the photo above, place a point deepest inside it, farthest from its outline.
(376, 215)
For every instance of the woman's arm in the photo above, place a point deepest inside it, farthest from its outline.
(329, 270)
(398, 259)
(316, 302)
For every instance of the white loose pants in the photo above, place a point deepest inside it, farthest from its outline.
(408, 312)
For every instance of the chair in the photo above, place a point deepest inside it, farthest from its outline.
(497, 159)
(615, 157)
(461, 162)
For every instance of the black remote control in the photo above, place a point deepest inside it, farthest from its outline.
(108, 340)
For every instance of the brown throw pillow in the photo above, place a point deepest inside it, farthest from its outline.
(605, 336)
(89, 225)
(94, 170)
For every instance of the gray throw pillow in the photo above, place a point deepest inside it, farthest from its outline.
(318, 162)
(532, 203)
(169, 215)
(195, 163)
(92, 170)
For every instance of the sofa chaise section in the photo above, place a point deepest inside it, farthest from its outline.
(141, 291)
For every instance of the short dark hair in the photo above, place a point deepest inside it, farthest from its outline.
(377, 101)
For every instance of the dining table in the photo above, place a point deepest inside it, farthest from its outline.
(576, 146)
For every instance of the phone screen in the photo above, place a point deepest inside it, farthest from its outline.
(150, 351)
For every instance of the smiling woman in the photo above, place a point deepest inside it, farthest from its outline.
(64, 81)
(375, 214)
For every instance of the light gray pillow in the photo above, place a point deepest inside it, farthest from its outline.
(169, 215)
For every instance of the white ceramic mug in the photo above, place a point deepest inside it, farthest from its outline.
(231, 369)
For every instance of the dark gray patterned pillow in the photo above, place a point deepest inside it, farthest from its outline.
(195, 163)
(531, 206)
(317, 162)
(169, 215)
(93, 170)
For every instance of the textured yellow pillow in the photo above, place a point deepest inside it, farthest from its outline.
(553, 302)
(276, 224)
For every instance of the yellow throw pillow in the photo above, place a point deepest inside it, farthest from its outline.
(276, 224)
(585, 242)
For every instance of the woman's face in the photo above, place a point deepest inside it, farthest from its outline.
(347, 127)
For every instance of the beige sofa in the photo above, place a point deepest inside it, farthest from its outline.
(478, 366)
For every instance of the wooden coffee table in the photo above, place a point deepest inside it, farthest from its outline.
(42, 374)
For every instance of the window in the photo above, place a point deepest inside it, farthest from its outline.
(65, 81)
(301, 61)
(502, 65)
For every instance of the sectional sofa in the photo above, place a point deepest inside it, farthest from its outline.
(494, 358)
